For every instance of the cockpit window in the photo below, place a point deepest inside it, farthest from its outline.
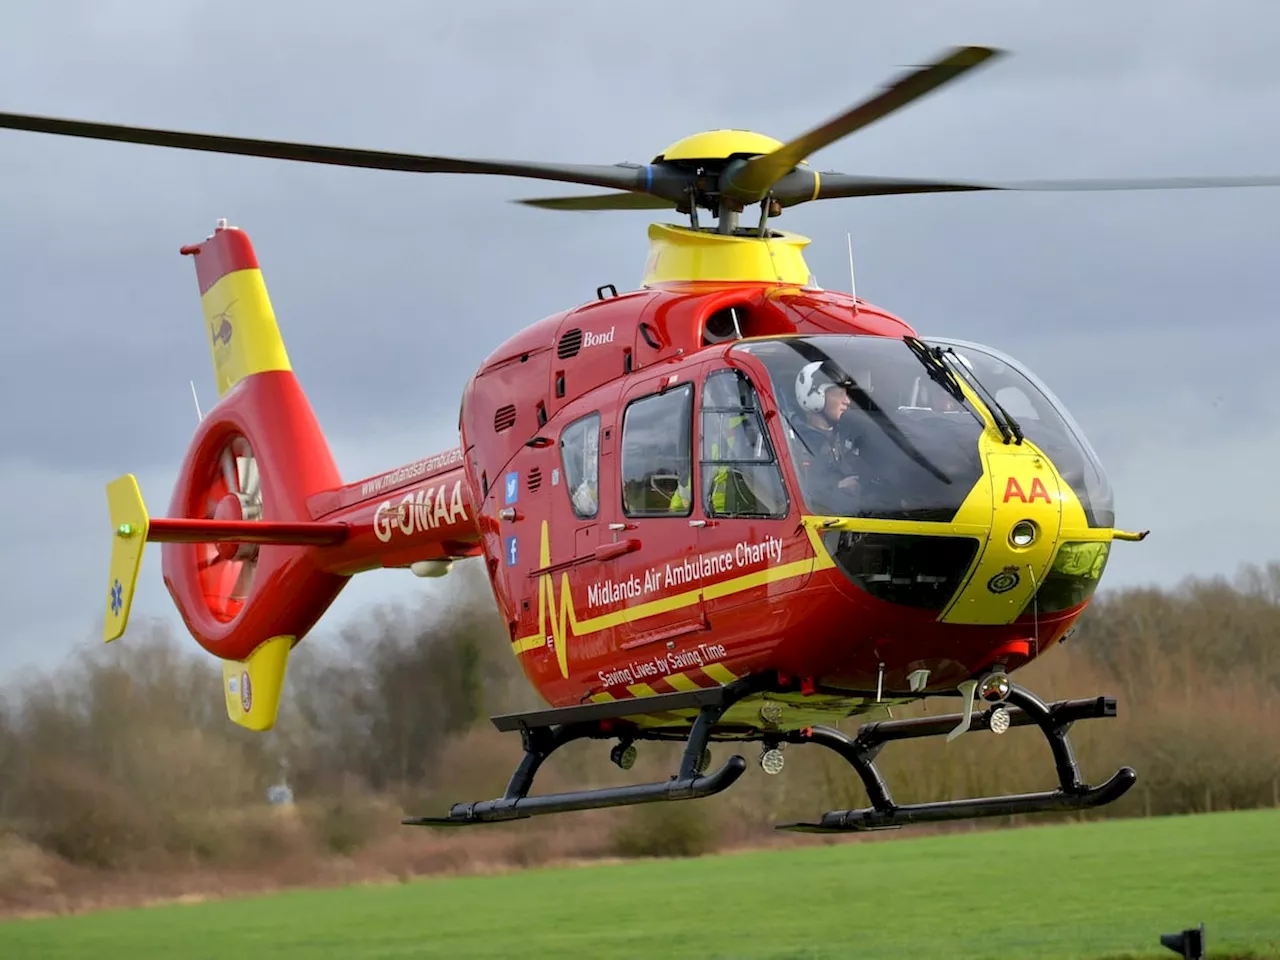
(871, 430)
(1044, 421)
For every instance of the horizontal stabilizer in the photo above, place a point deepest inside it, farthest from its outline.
(181, 530)
(133, 528)
(252, 687)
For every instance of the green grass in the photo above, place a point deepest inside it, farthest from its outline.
(1106, 889)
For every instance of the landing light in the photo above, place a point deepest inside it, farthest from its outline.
(772, 761)
(1000, 720)
(1023, 533)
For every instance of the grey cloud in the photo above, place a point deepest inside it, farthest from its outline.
(391, 288)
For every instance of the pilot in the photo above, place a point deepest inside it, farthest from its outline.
(828, 463)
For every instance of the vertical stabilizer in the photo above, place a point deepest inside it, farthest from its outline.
(252, 687)
(239, 321)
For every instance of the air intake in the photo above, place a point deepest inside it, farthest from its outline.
(504, 418)
(569, 344)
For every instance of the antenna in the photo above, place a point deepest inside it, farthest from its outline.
(853, 287)
(199, 415)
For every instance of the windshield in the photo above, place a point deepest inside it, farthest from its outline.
(1044, 421)
(871, 427)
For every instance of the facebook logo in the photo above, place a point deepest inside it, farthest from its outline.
(512, 551)
(513, 485)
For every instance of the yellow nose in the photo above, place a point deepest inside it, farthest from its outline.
(1020, 498)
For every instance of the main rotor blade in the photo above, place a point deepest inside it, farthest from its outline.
(751, 181)
(602, 201)
(1145, 183)
(799, 187)
(629, 177)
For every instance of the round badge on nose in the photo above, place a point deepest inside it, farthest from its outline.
(1004, 581)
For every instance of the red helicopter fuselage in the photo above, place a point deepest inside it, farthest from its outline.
(590, 482)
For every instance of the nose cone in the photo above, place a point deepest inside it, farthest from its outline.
(1022, 503)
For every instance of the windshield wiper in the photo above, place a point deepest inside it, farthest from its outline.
(938, 371)
(1004, 420)
(863, 401)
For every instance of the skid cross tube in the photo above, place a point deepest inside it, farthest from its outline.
(540, 742)
(1054, 720)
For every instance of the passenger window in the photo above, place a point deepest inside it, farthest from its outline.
(580, 456)
(657, 455)
(740, 474)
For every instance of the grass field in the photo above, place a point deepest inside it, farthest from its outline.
(1106, 889)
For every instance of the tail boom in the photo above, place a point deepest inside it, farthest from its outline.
(422, 511)
(429, 516)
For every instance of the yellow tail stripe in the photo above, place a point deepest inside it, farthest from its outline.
(240, 323)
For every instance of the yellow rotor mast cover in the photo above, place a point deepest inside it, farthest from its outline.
(680, 254)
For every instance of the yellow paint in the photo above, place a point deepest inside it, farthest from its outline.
(680, 682)
(720, 673)
(241, 328)
(719, 145)
(129, 525)
(983, 598)
(560, 620)
(682, 254)
(265, 669)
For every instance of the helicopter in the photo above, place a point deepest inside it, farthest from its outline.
(728, 506)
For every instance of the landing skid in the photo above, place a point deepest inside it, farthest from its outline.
(1054, 720)
(543, 732)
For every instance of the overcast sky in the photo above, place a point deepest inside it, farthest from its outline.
(1151, 314)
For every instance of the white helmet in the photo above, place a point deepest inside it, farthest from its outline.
(812, 384)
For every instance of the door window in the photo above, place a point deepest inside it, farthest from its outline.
(740, 473)
(657, 454)
(580, 457)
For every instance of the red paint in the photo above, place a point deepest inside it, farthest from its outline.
(1013, 491)
(227, 251)
(819, 629)
(219, 529)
